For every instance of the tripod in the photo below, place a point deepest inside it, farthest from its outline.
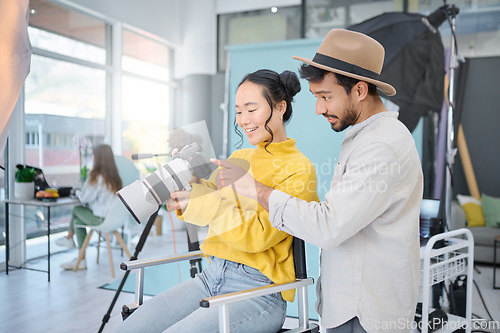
(193, 245)
(138, 249)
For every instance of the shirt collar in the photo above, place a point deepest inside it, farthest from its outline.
(353, 130)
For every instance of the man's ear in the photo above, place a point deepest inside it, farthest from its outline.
(360, 90)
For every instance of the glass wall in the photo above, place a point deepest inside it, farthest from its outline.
(68, 98)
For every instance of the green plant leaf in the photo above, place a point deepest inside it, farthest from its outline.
(25, 174)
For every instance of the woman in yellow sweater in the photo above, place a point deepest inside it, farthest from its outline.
(243, 249)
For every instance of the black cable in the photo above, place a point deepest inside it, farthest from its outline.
(451, 299)
(453, 34)
(482, 300)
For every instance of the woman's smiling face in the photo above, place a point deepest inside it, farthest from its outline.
(252, 112)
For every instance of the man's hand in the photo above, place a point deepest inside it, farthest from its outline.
(242, 182)
(235, 176)
(178, 200)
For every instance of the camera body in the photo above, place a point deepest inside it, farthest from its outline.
(143, 197)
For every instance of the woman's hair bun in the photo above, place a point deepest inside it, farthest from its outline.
(291, 82)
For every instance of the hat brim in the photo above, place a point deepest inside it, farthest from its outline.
(385, 88)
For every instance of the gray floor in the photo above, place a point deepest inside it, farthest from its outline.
(72, 302)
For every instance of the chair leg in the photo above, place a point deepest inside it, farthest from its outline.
(110, 254)
(122, 243)
(81, 254)
(98, 246)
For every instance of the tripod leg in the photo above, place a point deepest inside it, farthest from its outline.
(138, 249)
(193, 245)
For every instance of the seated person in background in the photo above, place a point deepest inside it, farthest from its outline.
(244, 250)
(97, 195)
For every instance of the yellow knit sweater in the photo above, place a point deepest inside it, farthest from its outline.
(239, 228)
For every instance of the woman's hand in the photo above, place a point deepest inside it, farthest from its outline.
(178, 200)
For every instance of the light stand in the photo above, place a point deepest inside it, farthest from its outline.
(451, 150)
(434, 20)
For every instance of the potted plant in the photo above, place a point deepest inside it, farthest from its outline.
(24, 188)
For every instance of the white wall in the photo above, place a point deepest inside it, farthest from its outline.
(232, 6)
(198, 51)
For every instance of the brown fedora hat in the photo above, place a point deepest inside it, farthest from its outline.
(351, 54)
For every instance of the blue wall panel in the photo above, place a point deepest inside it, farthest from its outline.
(313, 133)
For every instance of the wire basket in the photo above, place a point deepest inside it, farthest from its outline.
(445, 266)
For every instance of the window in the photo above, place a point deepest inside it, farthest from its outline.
(145, 94)
(145, 56)
(62, 100)
(61, 30)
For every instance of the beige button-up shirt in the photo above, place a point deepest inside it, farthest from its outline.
(367, 227)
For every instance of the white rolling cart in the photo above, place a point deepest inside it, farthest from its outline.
(437, 265)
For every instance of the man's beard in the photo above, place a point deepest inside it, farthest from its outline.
(349, 119)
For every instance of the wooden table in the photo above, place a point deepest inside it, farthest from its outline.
(39, 203)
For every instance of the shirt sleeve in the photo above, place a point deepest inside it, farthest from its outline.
(361, 191)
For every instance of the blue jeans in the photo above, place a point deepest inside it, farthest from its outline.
(178, 309)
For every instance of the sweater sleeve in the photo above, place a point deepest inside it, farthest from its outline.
(89, 192)
(240, 222)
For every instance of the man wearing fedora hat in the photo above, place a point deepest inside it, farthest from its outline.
(367, 225)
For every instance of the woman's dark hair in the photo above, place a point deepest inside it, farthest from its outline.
(275, 88)
(104, 164)
(315, 74)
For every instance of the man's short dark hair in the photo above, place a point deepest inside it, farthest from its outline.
(315, 74)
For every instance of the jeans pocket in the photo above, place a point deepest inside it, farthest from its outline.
(254, 274)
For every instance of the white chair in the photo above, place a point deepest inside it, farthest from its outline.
(114, 220)
(127, 170)
(118, 217)
(224, 301)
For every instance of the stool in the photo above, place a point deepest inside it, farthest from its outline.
(497, 240)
